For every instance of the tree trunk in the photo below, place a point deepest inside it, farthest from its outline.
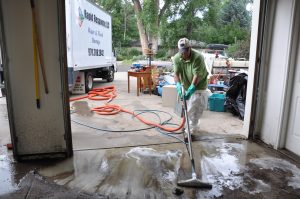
(140, 25)
(189, 27)
(154, 41)
(154, 38)
(125, 21)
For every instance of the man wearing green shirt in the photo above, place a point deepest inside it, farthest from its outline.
(190, 71)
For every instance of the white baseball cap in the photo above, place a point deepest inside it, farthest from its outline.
(183, 45)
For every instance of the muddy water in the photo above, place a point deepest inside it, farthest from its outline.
(7, 172)
(273, 164)
(247, 170)
(236, 169)
(233, 167)
(12, 172)
(134, 172)
(7, 181)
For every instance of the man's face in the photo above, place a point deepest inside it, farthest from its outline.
(186, 54)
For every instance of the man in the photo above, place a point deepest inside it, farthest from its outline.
(190, 71)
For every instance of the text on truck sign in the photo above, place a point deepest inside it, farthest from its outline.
(92, 17)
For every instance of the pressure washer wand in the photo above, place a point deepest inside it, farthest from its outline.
(194, 181)
(190, 149)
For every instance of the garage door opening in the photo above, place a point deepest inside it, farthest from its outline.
(223, 62)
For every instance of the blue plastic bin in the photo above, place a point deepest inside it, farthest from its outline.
(216, 102)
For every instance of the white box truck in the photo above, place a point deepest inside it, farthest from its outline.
(89, 45)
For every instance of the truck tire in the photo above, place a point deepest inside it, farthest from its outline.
(89, 81)
(110, 74)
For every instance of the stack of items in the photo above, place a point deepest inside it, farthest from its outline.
(164, 80)
(137, 67)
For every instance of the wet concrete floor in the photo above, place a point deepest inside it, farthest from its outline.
(147, 164)
(235, 167)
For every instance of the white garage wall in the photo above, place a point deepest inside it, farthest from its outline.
(35, 131)
(252, 62)
(278, 66)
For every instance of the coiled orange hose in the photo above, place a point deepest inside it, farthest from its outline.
(103, 93)
(108, 93)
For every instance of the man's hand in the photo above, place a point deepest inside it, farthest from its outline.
(190, 92)
(178, 87)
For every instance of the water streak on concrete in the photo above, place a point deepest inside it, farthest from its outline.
(276, 163)
(7, 181)
(133, 173)
(82, 108)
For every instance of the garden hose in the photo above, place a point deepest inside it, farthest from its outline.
(108, 93)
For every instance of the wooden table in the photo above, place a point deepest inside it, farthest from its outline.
(139, 75)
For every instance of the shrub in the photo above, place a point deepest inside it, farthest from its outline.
(127, 53)
(134, 52)
(161, 53)
(139, 57)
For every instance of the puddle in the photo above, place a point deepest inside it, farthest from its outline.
(134, 172)
(228, 171)
(35, 186)
(165, 164)
(223, 169)
(12, 172)
(276, 163)
(236, 170)
(81, 108)
(7, 181)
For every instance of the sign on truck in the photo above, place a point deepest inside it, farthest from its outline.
(89, 45)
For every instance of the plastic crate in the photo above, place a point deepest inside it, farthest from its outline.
(216, 102)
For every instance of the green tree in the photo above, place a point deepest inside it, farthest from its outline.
(241, 49)
(123, 21)
(234, 11)
(210, 17)
(225, 22)
(182, 19)
(148, 16)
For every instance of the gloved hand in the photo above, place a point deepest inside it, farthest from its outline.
(178, 87)
(191, 90)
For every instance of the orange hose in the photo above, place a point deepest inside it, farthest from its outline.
(107, 109)
(103, 93)
(108, 93)
(157, 125)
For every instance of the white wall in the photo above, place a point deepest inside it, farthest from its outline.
(38, 131)
(278, 65)
(252, 62)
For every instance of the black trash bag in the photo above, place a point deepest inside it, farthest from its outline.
(241, 99)
(235, 84)
(236, 95)
(241, 106)
(231, 106)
